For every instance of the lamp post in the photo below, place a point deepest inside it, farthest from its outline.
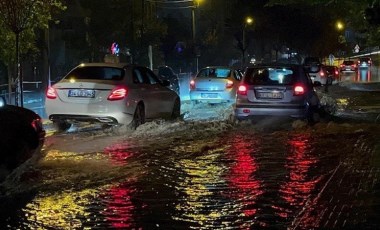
(248, 21)
(193, 8)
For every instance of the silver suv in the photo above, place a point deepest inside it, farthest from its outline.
(277, 90)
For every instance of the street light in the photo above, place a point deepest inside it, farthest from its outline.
(248, 21)
(340, 27)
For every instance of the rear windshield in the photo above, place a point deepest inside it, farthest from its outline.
(269, 76)
(214, 72)
(348, 62)
(96, 73)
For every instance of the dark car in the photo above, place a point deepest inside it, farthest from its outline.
(364, 62)
(21, 133)
(167, 73)
(332, 73)
(349, 66)
(277, 90)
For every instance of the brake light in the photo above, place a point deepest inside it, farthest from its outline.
(229, 84)
(336, 72)
(299, 90)
(192, 84)
(51, 93)
(242, 90)
(118, 93)
(322, 73)
(37, 124)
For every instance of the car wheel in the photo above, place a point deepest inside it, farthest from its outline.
(61, 126)
(176, 109)
(313, 115)
(138, 117)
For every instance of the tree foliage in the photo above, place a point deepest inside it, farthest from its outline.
(23, 17)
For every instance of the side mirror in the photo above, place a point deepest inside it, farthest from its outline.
(2, 101)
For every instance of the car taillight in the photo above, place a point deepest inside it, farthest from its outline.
(299, 90)
(192, 84)
(242, 90)
(37, 124)
(229, 84)
(118, 93)
(322, 73)
(51, 93)
(336, 72)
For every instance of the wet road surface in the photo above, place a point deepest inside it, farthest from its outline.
(273, 174)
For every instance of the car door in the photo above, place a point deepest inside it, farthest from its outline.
(159, 99)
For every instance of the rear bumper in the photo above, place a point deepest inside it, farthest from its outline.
(246, 112)
(125, 119)
(213, 97)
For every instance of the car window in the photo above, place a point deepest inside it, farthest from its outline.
(138, 77)
(97, 73)
(269, 76)
(151, 77)
(215, 72)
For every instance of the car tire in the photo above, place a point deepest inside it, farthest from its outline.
(138, 117)
(61, 126)
(176, 113)
(313, 115)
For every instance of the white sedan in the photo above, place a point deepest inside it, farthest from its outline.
(110, 93)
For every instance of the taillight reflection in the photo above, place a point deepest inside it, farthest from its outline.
(118, 93)
(242, 90)
(51, 93)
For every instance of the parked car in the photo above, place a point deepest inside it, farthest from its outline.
(364, 62)
(348, 66)
(332, 73)
(113, 94)
(315, 69)
(167, 73)
(277, 90)
(21, 135)
(215, 84)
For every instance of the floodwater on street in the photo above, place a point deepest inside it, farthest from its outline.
(272, 174)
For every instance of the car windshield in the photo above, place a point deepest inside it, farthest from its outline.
(269, 76)
(96, 73)
(214, 72)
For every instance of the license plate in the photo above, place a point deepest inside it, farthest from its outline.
(270, 95)
(209, 95)
(87, 93)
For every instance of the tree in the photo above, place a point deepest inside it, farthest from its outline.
(24, 15)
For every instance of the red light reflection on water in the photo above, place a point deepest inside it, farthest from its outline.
(118, 153)
(364, 75)
(299, 186)
(119, 207)
(243, 185)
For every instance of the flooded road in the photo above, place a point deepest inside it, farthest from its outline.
(272, 174)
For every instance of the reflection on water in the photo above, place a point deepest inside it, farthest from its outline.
(242, 180)
(363, 75)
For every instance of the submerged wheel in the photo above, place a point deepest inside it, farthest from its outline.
(61, 126)
(176, 113)
(138, 117)
(313, 115)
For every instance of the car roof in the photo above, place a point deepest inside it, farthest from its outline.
(104, 64)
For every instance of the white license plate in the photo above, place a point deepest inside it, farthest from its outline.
(270, 95)
(209, 95)
(87, 93)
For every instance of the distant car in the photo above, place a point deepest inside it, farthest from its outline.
(21, 134)
(348, 66)
(215, 84)
(277, 90)
(167, 73)
(364, 62)
(315, 69)
(113, 94)
(332, 73)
